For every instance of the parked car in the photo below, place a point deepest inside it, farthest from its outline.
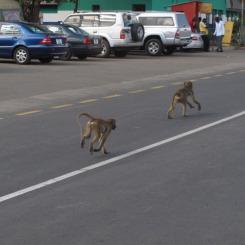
(164, 31)
(196, 42)
(120, 31)
(23, 41)
(81, 44)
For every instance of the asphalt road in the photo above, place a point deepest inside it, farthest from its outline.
(186, 191)
(25, 87)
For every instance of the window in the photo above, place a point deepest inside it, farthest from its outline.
(74, 20)
(55, 29)
(138, 7)
(107, 19)
(96, 8)
(36, 29)
(182, 21)
(90, 21)
(156, 21)
(8, 29)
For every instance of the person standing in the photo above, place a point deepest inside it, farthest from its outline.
(219, 33)
(204, 33)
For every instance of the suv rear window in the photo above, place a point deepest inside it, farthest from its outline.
(156, 21)
(182, 21)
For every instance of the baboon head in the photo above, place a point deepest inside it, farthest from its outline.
(188, 84)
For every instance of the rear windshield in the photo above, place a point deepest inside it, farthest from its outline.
(76, 30)
(156, 21)
(36, 28)
(182, 21)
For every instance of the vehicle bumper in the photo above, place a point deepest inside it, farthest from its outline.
(86, 50)
(182, 42)
(47, 51)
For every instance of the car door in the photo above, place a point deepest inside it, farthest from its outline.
(9, 37)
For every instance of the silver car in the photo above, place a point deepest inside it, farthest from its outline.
(196, 42)
(164, 31)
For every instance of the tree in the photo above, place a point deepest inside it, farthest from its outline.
(31, 8)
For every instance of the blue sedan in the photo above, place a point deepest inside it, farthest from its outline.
(24, 41)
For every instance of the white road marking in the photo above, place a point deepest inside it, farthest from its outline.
(118, 158)
(230, 73)
(218, 75)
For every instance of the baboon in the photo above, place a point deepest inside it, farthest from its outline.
(181, 96)
(99, 129)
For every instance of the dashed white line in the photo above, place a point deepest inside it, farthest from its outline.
(118, 158)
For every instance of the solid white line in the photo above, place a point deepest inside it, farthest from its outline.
(115, 159)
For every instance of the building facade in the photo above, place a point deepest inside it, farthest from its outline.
(9, 10)
(50, 7)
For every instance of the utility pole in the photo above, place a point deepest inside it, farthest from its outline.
(76, 6)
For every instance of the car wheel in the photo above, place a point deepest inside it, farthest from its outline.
(22, 56)
(137, 32)
(168, 50)
(153, 47)
(120, 53)
(45, 60)
(82, 57)
(106, 50)
(67, 56)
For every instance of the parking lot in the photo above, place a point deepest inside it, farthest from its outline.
(165, 181)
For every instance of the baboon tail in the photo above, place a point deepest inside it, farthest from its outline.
(83, 114)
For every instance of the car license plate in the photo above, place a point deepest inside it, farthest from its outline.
(96, 41)
(59, 41)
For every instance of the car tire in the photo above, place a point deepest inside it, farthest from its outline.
(137, 32)
(154, 47)
(45, 60)
(106, 50)
(21, 55)
(82, 57)
(67, 56)
(120, 53)
(168, 50)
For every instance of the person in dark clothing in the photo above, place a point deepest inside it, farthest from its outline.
(204, 32)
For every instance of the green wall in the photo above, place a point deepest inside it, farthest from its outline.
(127, 4)
(105, 4)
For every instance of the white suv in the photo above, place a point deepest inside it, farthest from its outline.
(164, 31)
(120, 31)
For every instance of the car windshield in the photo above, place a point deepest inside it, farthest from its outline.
(37, 29)
(76, 30)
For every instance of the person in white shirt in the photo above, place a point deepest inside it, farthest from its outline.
(219, 33)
